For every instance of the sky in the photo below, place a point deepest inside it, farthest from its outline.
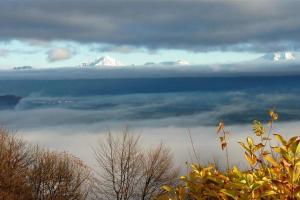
(44, 33)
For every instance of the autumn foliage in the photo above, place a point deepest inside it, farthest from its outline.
(31, 173)
(273, 173)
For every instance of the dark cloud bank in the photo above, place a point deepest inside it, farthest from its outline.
(268, 25)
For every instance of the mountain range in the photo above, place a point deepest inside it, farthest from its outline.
(279, 56)
(107, 61)
(104, 61)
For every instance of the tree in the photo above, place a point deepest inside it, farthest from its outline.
(127, 171)
(157, 171)
(28, 173)
(119, 162)
(55, 175)
(15, 158)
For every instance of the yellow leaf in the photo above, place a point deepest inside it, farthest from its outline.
(296, 174)
(294, 146)
(220, 127)
(255, 186)
(235, 170)
(249, 178)
(245, 147)
(251, 158)
(278, 150)
(280, 139)
(222, 139)
(270, 159)
(258, 128)
(230, 193)
(167, 188)
(298, 149)
(195, 168)
(250, 142)
(273, 115)
(268, 193)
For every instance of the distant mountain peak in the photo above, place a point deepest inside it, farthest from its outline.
(289, 56)
(23, 68)
(104, 61)
(279, 56)
(182, 62)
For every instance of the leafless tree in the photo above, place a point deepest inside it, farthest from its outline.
(157, 170)
(119, 162)
(55, 175)
(127, 171)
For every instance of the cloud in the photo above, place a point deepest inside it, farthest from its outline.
(37, 43)
(268, 25)
(58, 54)
(71, 122)
(79, 140)
(7, 52)
(119, 49)
(125, 49)
(4, 52)
(55, 106)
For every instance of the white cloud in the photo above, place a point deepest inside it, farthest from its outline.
(3, 52)
(79, 140)
(59, 54)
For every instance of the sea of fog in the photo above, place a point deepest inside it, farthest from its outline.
(72, 115)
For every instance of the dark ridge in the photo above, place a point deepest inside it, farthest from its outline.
(9, 101)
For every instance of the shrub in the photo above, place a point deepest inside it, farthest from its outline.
(274, 171)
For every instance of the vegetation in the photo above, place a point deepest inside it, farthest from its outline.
(274, 171)
(127, 171)
(31, 173)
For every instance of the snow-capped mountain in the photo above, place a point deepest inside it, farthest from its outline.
(279, 56)
(182, 62)
(104, 61)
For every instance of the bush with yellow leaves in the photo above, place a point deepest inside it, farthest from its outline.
(274, 171)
